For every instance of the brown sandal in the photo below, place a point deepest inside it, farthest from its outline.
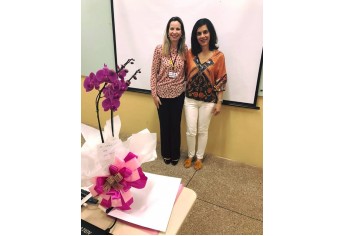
(188, 163)
(198, 164)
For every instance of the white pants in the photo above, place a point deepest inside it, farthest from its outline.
(198, 117)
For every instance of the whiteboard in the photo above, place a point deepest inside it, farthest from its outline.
(140, 26)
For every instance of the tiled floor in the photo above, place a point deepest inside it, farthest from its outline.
(229, 196)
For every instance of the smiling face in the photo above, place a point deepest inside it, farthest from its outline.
(175, 31)
(203, 36)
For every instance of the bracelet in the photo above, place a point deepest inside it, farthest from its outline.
(220, 101)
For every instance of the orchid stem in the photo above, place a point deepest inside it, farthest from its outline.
(97, 110)
(128, 61)
(112, 122)
(134, 75)
(99, 122)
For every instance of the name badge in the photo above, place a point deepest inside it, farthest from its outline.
(172, 75)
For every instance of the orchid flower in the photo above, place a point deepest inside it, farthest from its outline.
(114, 85)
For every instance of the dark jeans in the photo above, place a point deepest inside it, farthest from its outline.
(170, 126)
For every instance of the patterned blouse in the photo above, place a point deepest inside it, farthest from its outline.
(205, 80)
(161, 84)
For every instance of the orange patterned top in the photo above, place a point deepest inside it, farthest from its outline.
(161, 84)
(205, 80)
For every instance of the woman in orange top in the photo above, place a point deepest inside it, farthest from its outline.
(206, 79)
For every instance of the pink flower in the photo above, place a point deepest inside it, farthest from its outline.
(114, 86)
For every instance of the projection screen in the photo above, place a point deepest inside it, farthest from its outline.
(139, 26)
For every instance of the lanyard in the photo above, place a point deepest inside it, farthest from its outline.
(171, 61)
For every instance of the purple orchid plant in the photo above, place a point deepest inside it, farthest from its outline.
(111, 85)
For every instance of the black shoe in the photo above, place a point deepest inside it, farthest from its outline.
(174, 162)
(166, 160)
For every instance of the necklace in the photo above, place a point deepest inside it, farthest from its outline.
(172, 63)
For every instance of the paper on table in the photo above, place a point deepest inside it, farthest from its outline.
(152, 205)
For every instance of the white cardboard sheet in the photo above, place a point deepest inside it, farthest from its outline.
(153, 204)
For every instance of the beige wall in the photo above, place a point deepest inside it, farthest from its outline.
(235, 134)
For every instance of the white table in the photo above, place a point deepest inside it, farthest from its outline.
(182, 206)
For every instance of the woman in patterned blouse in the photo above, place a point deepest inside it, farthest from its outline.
(168, 87)
(206, 79)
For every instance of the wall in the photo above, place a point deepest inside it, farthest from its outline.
(235, 134)
(97, 45)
